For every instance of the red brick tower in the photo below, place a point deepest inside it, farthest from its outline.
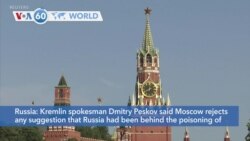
(148, 91)
(62, 93)
(227, 137)
(186, 135)
(61, 133)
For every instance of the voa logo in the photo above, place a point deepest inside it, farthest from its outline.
(23, 16)
(41, 16)
(38, 16)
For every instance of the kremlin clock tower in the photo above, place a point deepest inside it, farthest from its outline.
(148, 91)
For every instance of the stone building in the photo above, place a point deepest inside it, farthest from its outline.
(63, 133)
(148, 91)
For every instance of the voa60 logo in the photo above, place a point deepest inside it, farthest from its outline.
(41, 16)
(38, 16)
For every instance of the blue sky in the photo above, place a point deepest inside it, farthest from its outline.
(204, 55)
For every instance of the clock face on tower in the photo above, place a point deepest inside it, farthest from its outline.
(149, 89)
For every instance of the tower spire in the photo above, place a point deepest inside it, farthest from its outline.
(129, 101)
(133, 101)
(147, 44)
(227, 137)
(186, 135)
(168, 102)
(62, 82)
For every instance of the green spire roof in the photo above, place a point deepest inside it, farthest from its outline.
(129, 101)
(148, 44)
(62, 82)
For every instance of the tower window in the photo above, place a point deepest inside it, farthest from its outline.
(149, 59)
(61, 93)
(155, 61)
(141, 60)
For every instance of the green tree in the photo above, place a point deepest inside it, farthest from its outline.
(98, 132)
(248, 135)
(72, 139)
(85, 131)
(31, 133)
(20, 134)
(9, 133)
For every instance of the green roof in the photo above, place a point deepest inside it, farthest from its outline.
(62, 82)
(148, 44)
(129, 101)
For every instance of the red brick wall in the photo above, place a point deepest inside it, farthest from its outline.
(146, 134)
(61, 135)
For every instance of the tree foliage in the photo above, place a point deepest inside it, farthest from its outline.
(248, 135)
(98, 132)
(20, 134)
(72, 139)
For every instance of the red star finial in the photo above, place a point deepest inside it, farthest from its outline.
(99, 100)
(147, 11)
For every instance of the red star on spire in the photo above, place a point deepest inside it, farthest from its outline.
(147, 11)
(99, 100)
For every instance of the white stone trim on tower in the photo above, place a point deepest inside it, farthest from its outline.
(168, 102)
(227, 133)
